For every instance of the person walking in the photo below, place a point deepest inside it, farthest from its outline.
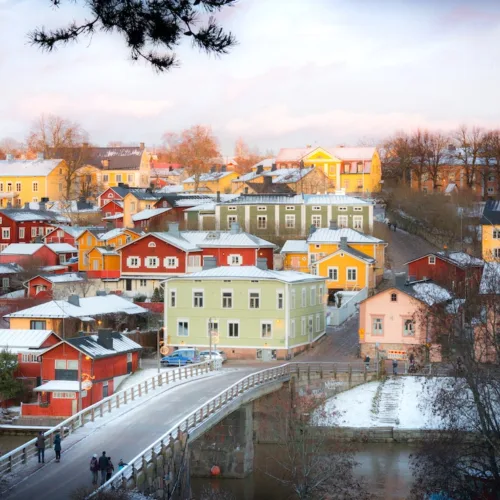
(57, 447)
(40, 444)
(395, 226)
(121, 464)
(110, 469)
(94, 468)
(103, 466)
(367, 362)
(394, 367)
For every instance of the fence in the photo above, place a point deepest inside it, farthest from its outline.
(22, 454)
(218, 403)
(337, 315)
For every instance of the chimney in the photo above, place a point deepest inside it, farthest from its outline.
(101, 293)
(40, 156)
(213, 169)
(260, 169)
(274, 167)
(173, 229)
(235, 228)
(26, 205)
(333, 225)
(74, 300)
(223, 168)
(105, 338)
(268, 182)
(218, 197)
(262, 263)
(401, 280)
(120, 184)
(142, 145)
(209, 262)
(343, 242)
(170, 168)
(9, 157)
(85, 145)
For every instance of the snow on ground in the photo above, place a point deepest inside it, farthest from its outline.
(401, 402)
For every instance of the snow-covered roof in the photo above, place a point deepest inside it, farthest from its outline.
(206, 239)
(113, 217)
(490, 280)
(148, 213)
(10, 269)
(24, 215)
(74, 231)
(430, 293)
(249, 273)
(62, 247)
(288, 175)
(59, 386)
(89, 307)
(250, 176)
(334, 199)
(22, 248)
(27, 168)
(53, 268)
(464, 259)
(23, 339)
(209, 176)
(342, 153)
(64, 278)
(17, 294)
(105, 251)
(177, 241)
(171, 189)
(326, 235)
(205, 207)
(298, 199)
(295, 246)
(90, 345)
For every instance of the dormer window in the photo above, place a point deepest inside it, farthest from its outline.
(432, 260)
(394, 297)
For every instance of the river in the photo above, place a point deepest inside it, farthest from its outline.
(383, 467)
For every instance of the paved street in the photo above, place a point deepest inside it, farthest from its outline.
(121, 437)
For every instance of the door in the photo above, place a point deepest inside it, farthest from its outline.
(105, 389)
(128, 285)
(267, 355)
(129, 362)
(74, 406)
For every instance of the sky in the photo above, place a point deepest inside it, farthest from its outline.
(321, 72)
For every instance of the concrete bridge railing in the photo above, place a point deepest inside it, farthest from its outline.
(20, 456)
(166, 461)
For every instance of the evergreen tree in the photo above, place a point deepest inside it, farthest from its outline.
(10, 387)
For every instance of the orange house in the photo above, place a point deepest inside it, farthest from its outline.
(104, 262)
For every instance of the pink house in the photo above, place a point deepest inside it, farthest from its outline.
(394, 322)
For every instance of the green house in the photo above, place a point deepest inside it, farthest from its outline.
(251, 312)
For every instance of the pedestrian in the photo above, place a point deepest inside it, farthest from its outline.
(412, 359)
(110, 469)
(57, 447)
(459, 363)
(394, 367)
(103, 466)
(121, 464)
(389, 224)
(40, 444)
(94, 468)
(395, 226)
(367, 362)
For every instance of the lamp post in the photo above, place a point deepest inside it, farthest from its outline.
(158, 349)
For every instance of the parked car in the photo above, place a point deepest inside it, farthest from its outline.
(205, 355)
(182, 357)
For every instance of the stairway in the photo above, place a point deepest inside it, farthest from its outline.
(389, 401)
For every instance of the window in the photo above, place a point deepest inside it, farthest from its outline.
(30, 358)
(254, 300)
(289, 221)
(5, 283)
(198, 298)
(118, 177)
(38, 325)
(1, 186)
(320, 295)
(292, 329)
(280, 300)
(491, 190)
(409, 327)
(143, 283)
(132, 206)
(6, 233)
(290, 208)
(378, 326)
(231, 209)
(342, 221)
(130, 177)
(182, 327)
(40, 231)
(171, 262)
(358, 209)
(357, 222)
(64, 395)
(18, 187)
(35, 187)
(262, 222)
(312, 296)
(213, 326)
(303, 326)
(152, 244)
(133, 261)
(342, 209)
(194, 261)
(231, 219)
(352, 274)
(227, 299)
(34, 200)
(234, 260)
(266, 329)
(304, 297)
(316, 209)
(173, 296)
(318, 323)
(316, 220)
(394, 297)
(333, 273)
(233, 329)
(105, 178)
(432, 259)
(148, 206)
(496, 234)
(9, 186)
(496, 253)
(310, 325)
(261, 209)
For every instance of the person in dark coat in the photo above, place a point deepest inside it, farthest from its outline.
(110, 469)
(395, 226)
(40, 444)
(367, 362)
(57, 447)
(394, 367)
(94, 468)
(103, 466)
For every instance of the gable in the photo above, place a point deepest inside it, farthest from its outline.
(341, 256)
(320, 154)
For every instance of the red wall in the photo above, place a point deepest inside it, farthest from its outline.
(109, 194)
(34, 369)
(44, 255)
(66, 238)
(14, 230)
(249, 255)
(38, 280)
(112, 208)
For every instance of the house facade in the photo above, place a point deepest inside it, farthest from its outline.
(103, 360)
(490, 231)
(252, 312)
(211, 182)
(37, 254)
(135, 201)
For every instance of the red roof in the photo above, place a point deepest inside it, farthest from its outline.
(159, 165)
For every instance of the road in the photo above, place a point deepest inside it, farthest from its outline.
(122, 437)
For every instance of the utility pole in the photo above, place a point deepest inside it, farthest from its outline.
(79, 381)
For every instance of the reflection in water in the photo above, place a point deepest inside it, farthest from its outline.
(384, 468)
(9, 443)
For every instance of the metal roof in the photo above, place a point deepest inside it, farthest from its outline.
(27, 168)
(23, 339)
(148, 213)
(326, 235)
(295, 246)
(59, 386)
(491, 213)
(90, 345)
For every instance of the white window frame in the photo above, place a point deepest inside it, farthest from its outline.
(334, 270)
(411, 331)
(143, 283)
(267, 323)
(151, 244)
(234, 259)
(316, 220)
(194, 260)
(118, 177)
(378, 320)
(183, 321)
(320, 294)
(231, 208)
(130, 261)
(172, 296)
(35, 187)
(358, 209)
(312, 296)
(5, 283)
(63, 395)
(293, 298)
(19, 187)
(496, 234)
(198, 301)
(496, 253)
(30, 358)
(225, 300)
(233, 322)
(171, 262)
(303, 301)
(342, 209)
(292, 329)
(33, 232)
(355, 269)
(394, 297)
(280, 299)
(431, 260)
(105, 178)
(72, 364)
(290, 207)
(303, 325)
(231, 219)
(290, 221)
(250, 299)
(318, 323)
(316, 209)
(5, 233)
(357, 222)
(261, 209)
(213, 324)
(262, 222)
(340, 219)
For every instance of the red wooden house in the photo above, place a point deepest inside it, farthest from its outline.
(25, 225)
(103, 360)
(116, 193)
(64, 234)
(179, 252)
(112, 211)
(457, 271)
(53, 254)
(152, 219)
(43, 287)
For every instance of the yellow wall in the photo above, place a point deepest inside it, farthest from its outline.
(296, 261)
(122, 239)
(489, 243)
(135, 178)
(85, 243)
(364, 274)
(132, 206)
(25, 323)
(223, 185)
(104, 262)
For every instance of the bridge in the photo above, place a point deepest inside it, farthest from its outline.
(150, 426)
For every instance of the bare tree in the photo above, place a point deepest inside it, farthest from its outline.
(194, 148)
(8, 145)
(245, 156)
(397, 157)
(420, 151)
(437, 147)
(470, 143)
(491, 155)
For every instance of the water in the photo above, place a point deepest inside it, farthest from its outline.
(9, 443)
(384, 468)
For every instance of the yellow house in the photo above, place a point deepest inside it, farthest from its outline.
(490, 231)
(136, 201)
(349, 259)
(357, 170)
(90, 239)
(104, 262)
(211, 182)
